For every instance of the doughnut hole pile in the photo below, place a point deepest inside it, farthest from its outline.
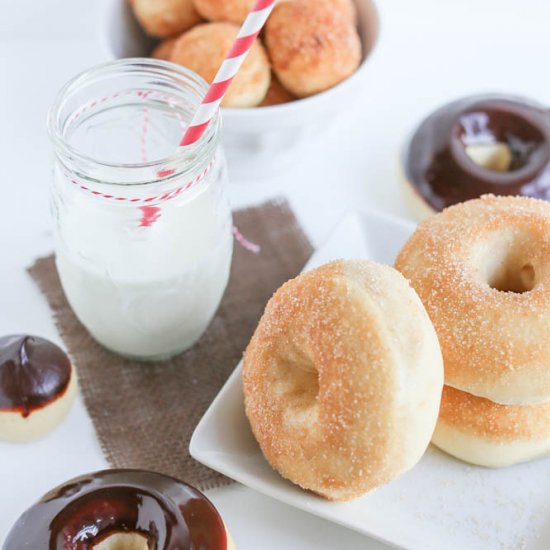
(308, 45)
(342, 379)
(482, 270)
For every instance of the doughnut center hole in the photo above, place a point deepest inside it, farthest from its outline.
(306, 379)
(518, 279)
(500, 140)
(507, 260)
(298, 379)
(491, 156)
(123, 541)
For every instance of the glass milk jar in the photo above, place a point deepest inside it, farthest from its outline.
(143, 227)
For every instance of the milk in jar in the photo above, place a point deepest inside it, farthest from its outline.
(143, 227)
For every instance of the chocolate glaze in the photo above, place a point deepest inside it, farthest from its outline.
(168, 513)
(33, 372)
(437, 166)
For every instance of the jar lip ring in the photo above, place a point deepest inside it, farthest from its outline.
(165, 69)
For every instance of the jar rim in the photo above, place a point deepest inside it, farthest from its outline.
(205, 147)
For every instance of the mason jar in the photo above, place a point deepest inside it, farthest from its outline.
(142, 226)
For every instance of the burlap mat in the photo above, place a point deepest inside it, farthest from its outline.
(145, 413)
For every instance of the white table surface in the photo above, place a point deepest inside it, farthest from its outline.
(429, 52)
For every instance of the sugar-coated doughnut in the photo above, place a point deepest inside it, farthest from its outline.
(121, 509)
(342, 379)
(233, 11)
(162, 18)
(276, 94)
(203, 49)
(485, 433)
(482, 270)
(476, 145)
(164, 49)
(37, 387)
(312, 45)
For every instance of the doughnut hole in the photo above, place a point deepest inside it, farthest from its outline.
(500, 139)
(165, 18)
(514, 279)
(296, 380)
(491, 156)
(123, 541)
(203, 49)
(507, 262)
(312, 46)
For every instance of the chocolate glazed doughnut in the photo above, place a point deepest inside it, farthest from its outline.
(478, 145)
(121, 510)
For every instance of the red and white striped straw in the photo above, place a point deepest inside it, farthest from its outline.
(237, 54)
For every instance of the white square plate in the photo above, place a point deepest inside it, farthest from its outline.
(442, 503)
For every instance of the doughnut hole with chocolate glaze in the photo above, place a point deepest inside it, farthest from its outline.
(37, 387)
(121, 510)
(475, 146)
(482, 270)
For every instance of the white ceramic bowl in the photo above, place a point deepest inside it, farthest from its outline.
(263, 139)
